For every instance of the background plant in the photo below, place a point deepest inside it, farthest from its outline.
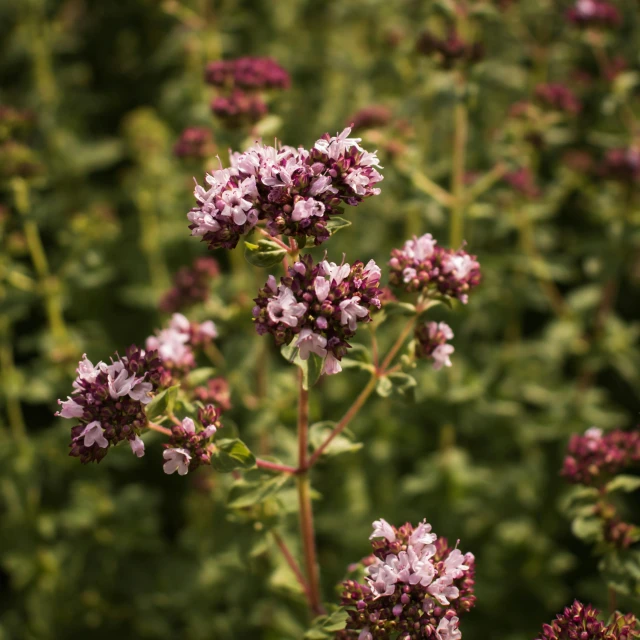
(547, 348)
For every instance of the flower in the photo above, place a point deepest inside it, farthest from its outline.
(190, 445)
(558, 97)
(582, 621)
(249, 73)
(415, 584)
(423, 266)
(594, 457)
(137, 446)
(176, 460)
(108, 403)
(239, 108)
(594, 13)
(295, 191)
(190, 285)
(318, 307)
(194, 142)
(431, 342)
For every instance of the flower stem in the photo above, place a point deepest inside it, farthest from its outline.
(346, 419)
(156, 427)
(404, 334)
(274, 466)
(460, 134)
(304, 503)
(613, 600)
(7, 368)
(293, 565)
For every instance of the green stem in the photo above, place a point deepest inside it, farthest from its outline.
(48, 283)
(8, 370)
(460, 134)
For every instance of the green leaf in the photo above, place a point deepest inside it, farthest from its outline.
(588, 529)
(400, 383)
(264, 254)
(301, 241)
(231, 454)
(162, 403)
(624, 483)
(199, 376)
(249, 494)
(399, 309)
(342, 443)
(335, 224)
(326, 626)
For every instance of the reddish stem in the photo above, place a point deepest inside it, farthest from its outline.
(293, 565)
(274, 466)
(156, 427)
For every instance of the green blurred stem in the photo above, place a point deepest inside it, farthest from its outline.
(613, 600)
(48, 283)
(150, 241)
(548, 286)
(460, 134)
(397, 345)
(485, 183)
(8, 370)
(304, 502)
(293, 565)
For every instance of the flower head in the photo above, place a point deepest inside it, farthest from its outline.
(319, 307)
(431, 342)
(415, 583)
(423, 266)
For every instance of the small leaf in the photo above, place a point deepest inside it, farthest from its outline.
(231, 454)
(384, 388)
(301, 241)
(312, 371)
(265, 253)
(624, 483)
(400, 383)
(399, 309)
(342, 443)
(199, 376)
(162, 403)
(249, 494)
(324, 627)
(335, 224)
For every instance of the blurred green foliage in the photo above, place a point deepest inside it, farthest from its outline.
(547, 345)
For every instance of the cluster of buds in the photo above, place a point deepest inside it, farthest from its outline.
(190, 285)
(522, 181)
(108, 402)
(242, 80)
(616, 532)
(195, 143)
(190, 446)
(239, 108)
(375, 115)
(416, 587)
(247, 73)
(174, 344)
(450, 50)
(622, 165)
(422, 266)
(319, 306)
(558, 97)
(594, 14)
(294, 191)
(431, 342)
(216, 392)
(595, 456)
(580, 621)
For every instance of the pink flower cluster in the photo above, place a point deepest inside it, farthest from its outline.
(108, 402)
(450, 50)
(622, 165)
(239, 108)
(248, 73)
(594, 13)
(190, 285)
(523, 181)
(431, 342)
(558, 97)
(190, 446)
(422, 266)
(216, 391)
(581, 622)
(194, 142)
(242, 80)
(294, 191)
(416, 587)
(319, 306)
(596, 456)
